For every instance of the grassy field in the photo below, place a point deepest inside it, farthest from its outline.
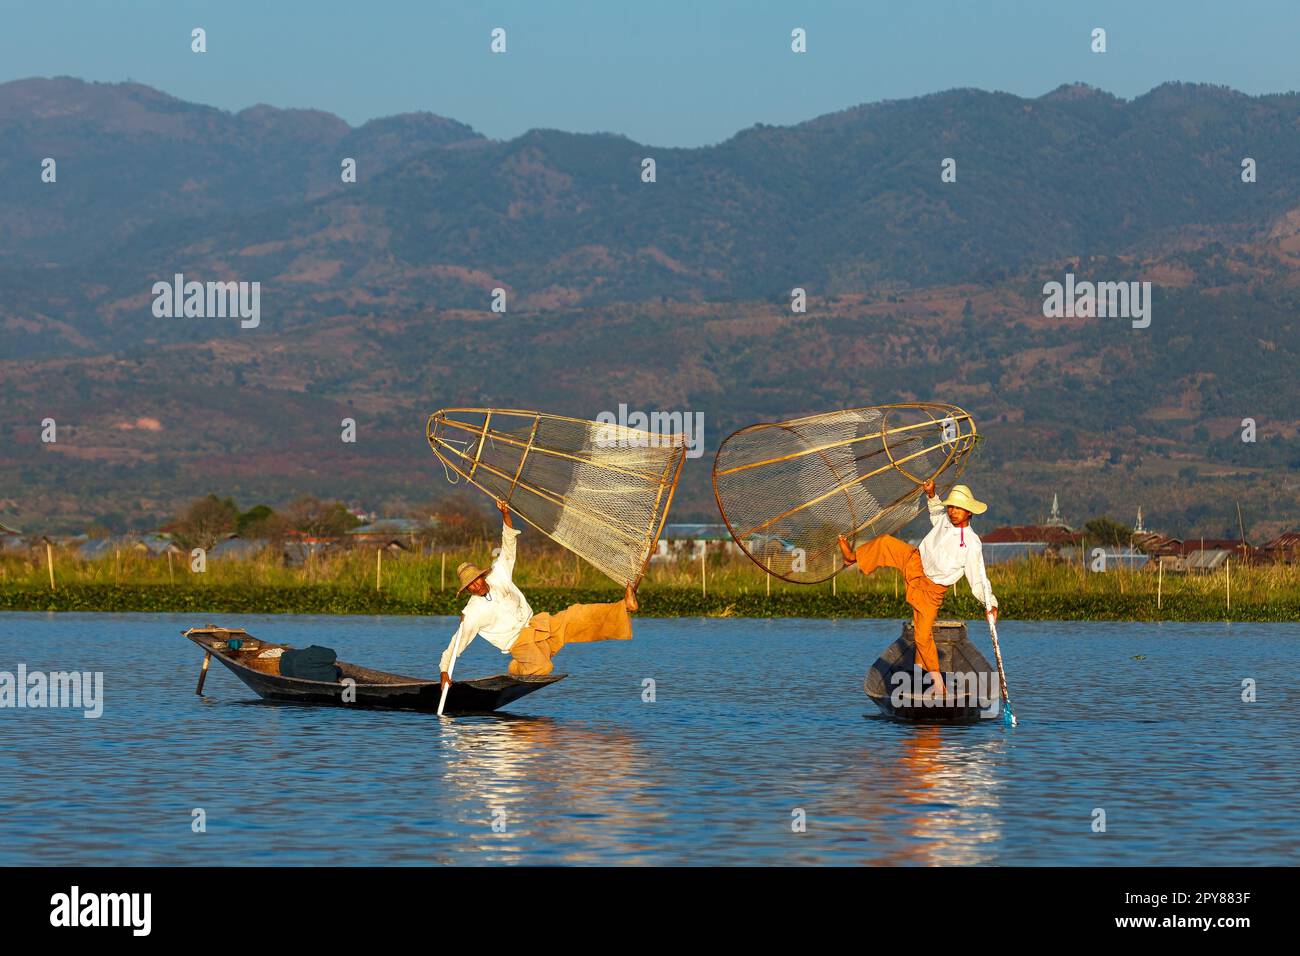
(345, 583)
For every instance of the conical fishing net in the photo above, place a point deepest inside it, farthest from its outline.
(787, 490)
(600, 490)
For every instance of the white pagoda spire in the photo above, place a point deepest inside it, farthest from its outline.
(1055, 520)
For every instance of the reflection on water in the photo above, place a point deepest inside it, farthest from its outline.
(595, 779)
(936, 800)
(755, 724)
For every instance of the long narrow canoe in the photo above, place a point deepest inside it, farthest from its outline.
(892, 678)
(260, 670)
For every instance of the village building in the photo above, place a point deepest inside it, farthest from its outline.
(300, 548)
(689, 541)
(1158, 545)
(362, 515)
(1284, 549)
(233, 547)
(1111, 558)
(1210, 554)
(159, 545)
(1054, 540)
(11, 539)
(1192, 554)
(390, 534)
(95, 549)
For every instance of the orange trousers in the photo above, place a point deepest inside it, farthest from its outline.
(923, 594)
(544, 635)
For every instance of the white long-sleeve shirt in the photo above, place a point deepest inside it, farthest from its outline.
(498, 616)
(948, 552)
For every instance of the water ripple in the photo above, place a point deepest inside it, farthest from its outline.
(755, 724)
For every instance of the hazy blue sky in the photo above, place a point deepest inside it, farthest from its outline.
(665, 72)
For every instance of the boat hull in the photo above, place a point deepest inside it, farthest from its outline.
(361, 686)
(956, 655)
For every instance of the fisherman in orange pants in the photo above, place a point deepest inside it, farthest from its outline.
(951, 549)
(499, 613)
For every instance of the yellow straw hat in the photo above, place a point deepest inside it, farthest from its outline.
(960, 497)
(468, 574)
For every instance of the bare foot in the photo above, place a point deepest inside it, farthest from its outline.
(849, 556)
(937, 686)
(630, 601)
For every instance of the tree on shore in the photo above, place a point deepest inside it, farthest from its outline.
(1108, 532)
(247, 524)
(204, 523)
(457, 523)
(310, 516)
(262, 523)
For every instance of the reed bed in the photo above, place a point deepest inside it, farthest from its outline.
(727, 584)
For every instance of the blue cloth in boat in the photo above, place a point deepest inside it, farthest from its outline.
(310, 663)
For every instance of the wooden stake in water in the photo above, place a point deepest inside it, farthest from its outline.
(704, 570)
(1160, 582)
(171, 579)
(379, 565)
(1227, 582)
(49, 561)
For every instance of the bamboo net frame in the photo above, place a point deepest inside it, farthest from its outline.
(788, 490)
(601, 490)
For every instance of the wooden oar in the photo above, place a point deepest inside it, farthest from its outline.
(451, 669)
(442, 701)
(1008, 716)
(203, 674)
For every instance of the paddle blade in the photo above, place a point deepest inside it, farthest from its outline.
(1008, 716)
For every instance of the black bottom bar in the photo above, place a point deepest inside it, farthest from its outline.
(928, 907)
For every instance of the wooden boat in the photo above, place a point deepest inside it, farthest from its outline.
(257, 664)
(957, 655)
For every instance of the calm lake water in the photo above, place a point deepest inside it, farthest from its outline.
(754, 720)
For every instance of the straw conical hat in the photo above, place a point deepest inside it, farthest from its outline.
(468, 574)
(960, 497)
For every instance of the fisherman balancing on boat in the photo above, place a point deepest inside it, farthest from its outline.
(951, 549)
(499, 613)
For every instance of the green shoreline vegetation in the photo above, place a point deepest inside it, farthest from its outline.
(345, 583)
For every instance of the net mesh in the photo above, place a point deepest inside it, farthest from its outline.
(788, 490)
(600, 490)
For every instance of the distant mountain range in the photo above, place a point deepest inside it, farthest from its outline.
(131, 158)
(674, 294)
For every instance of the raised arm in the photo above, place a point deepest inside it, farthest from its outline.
(505, 561)
(933, 502)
